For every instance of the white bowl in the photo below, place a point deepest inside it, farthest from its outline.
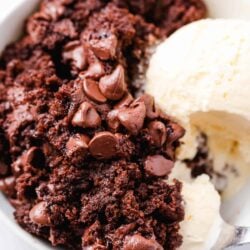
(12, 16)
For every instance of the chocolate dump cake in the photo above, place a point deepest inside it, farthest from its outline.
(82, 160)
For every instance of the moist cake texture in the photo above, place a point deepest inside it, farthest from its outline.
(82, 160)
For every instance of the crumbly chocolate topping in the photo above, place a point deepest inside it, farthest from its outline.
(81, 159)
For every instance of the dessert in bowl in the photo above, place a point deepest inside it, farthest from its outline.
(85, 162)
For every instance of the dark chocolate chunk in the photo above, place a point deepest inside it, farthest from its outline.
(86, 116)
(103, 145)
(158, 166)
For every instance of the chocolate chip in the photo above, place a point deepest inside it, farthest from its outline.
(75, 53)
(112, 120)
(86, 117)
(103, 145)
(152, 111)
(174, 132)
(77, 144)
(158, 132)
(7, 185)
(38, 214)
(124, 102)
(92, 90)
(132, 117)
(158, 166)
(95, 71)
(113, 86)
(105, 46)
(137, 242)
(34, 157)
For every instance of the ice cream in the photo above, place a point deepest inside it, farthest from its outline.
(202, 207)
(201, 77)
(206, 202)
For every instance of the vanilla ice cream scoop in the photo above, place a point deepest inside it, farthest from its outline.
(199, 231)
(201, 77)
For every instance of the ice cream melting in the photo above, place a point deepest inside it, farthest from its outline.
(200, 76)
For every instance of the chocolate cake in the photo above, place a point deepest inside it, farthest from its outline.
(82, 159)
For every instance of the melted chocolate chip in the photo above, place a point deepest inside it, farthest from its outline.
(137, 242)
(86, 117)
(92, 90)
(103, 145)
(113, 86)
(38, 214)
(132, 117)
(158, 132)
(158, 166)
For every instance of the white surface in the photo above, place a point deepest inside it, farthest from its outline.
(10, 233)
